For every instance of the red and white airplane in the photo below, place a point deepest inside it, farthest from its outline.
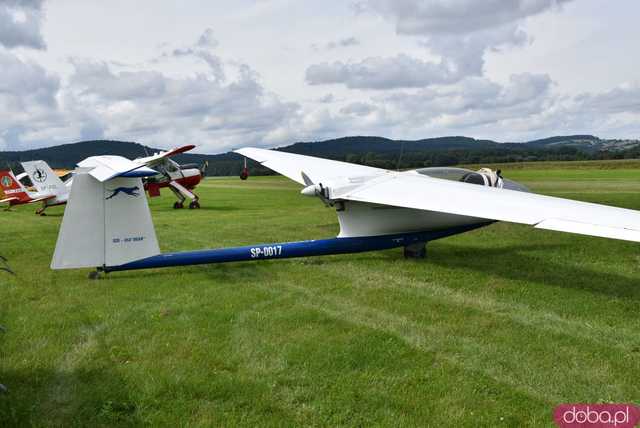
(50, 190)
(180, 179)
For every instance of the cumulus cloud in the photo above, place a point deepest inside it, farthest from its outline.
(459, 33)
(153, 106)
(401, 71)
(444, 17)
(618, 100)
(474, 101)
(27, 97)
(20, 24)
(219, 104)
(202, 49)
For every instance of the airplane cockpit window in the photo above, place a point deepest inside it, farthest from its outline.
(483, 177)
(474, 178)
(25, 180)
(170, 166)
(66, 176)
(514, 185)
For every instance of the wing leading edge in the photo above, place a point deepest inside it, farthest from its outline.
(316, 169)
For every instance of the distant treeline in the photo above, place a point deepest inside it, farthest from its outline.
(457, 157)
(373, 151)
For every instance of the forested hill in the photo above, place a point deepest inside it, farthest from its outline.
(374, 151)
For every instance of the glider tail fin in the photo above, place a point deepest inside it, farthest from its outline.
(43, 177)
(12, 188)
(104, 224)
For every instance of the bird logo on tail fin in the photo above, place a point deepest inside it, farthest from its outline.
(39, 175)
(131, 191)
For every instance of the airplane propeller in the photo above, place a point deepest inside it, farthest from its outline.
(203, 168)
(318, 190)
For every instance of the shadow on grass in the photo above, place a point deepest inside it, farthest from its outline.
(82, 397)
(221, 208)
(516, 262)
(217, 273)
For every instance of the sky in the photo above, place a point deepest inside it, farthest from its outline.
(228, 74)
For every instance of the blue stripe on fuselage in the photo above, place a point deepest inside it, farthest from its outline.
(319, 247)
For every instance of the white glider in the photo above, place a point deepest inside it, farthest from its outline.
(108, 225)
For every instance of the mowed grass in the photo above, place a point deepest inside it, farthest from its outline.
(494, 328)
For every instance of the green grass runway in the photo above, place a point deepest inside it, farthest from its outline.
(494, 328)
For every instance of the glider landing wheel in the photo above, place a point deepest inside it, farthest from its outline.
(94, 275)
(40, 211)
(194, 204)
(177, 205)
(415, 251)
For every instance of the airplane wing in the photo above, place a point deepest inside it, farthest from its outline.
(30, 201)
(292, 166)
(5, 200)
(107, 167)
(543, 212)
(150, 161)
(409, 190)
(42, 198)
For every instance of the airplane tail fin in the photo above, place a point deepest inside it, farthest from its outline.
(105, 224)
(43, 177)
(12, 188)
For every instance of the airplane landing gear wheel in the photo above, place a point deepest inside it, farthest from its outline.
(415, 251)
(177, 205)
(194, 204)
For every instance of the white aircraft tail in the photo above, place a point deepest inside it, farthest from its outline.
(43, 177)
(105, 224)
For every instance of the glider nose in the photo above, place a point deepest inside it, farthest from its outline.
(311, 190)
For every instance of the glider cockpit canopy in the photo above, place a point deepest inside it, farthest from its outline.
(484, 177)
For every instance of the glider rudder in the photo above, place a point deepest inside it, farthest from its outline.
(105, 224)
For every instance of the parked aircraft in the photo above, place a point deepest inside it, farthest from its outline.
(47, 187)
(376, 208)
(180, 179)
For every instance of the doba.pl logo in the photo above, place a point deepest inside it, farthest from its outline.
(596, 415)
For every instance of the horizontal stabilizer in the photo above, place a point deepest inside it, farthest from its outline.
(104, 168)
(143, 171)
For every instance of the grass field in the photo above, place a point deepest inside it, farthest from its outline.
(495, 328)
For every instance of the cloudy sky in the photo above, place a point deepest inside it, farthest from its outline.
(224, 74)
